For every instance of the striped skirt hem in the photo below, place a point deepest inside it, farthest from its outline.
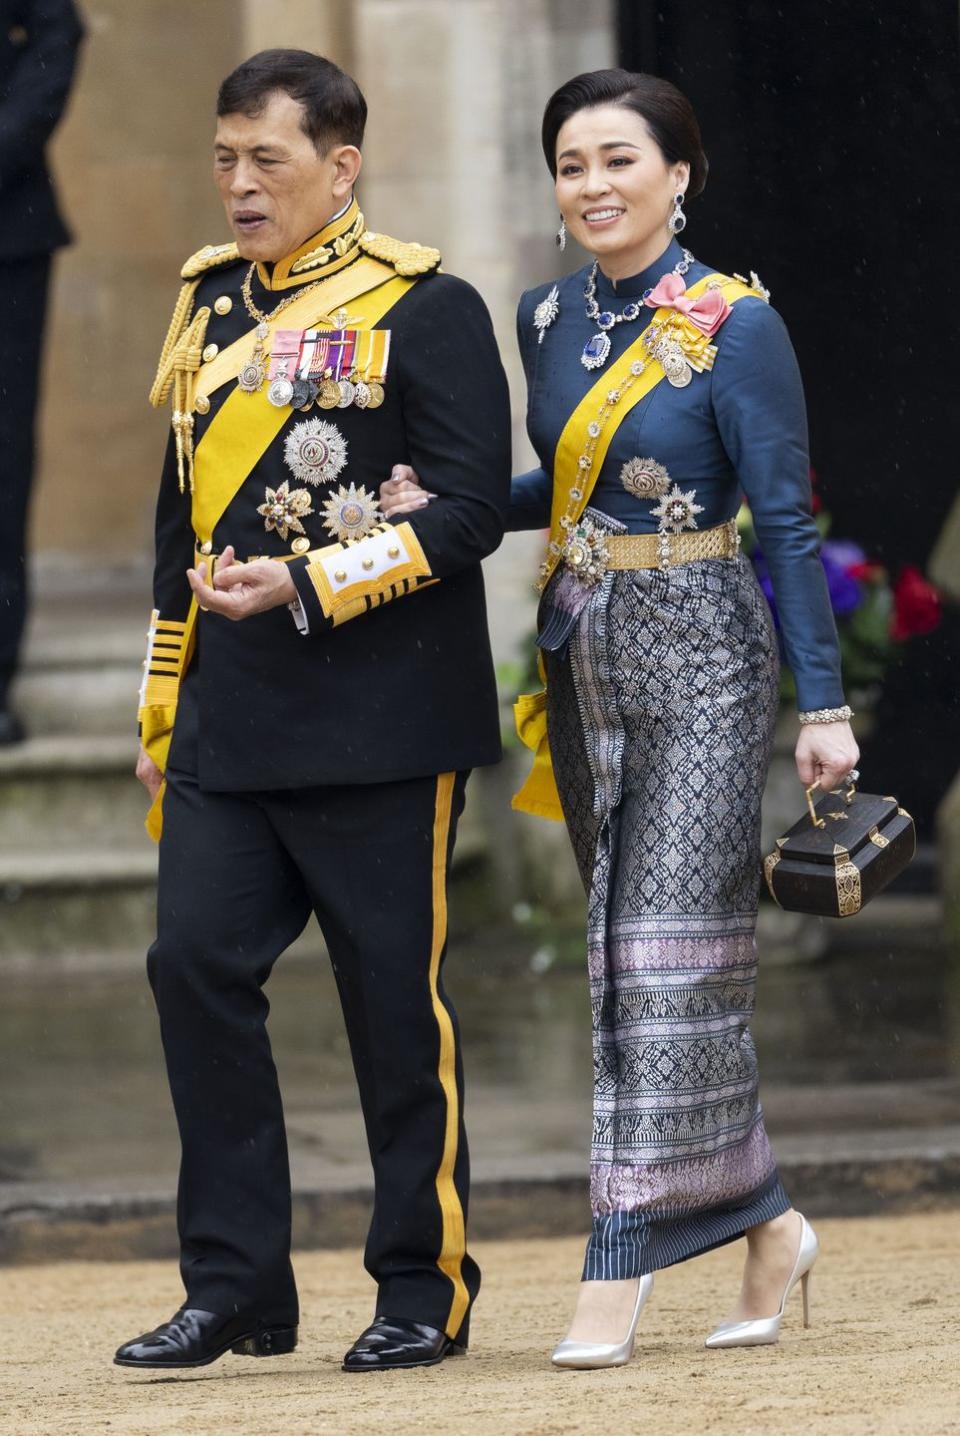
(624, 1245)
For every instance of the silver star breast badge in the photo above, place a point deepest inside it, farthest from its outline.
(315, 451)
(677, 510)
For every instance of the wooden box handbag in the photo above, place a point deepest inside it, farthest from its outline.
(841, 853)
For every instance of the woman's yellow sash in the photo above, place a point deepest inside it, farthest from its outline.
(539, 793)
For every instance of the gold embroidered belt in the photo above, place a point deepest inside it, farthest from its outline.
(590, 552)
(626, 551)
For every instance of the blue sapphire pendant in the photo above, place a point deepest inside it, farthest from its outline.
(595, 351)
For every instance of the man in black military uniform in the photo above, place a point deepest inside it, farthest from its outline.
(39, 40)
(317, 685)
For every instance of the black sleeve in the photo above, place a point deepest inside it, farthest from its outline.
(456, 409)
(173, 532)
(35, 95)
(168, 640)
(456, 415)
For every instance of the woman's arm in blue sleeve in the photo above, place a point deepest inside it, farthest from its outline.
(530, 493)
(761, 415)
(530, 496)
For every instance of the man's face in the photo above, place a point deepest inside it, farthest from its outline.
(276, 189)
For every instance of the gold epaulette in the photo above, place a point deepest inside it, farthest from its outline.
(407, 259)
(211, 256)
(755, 283)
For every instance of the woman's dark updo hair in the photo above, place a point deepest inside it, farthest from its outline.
(667, 112)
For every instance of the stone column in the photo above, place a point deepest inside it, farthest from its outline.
(132, 161)
(452, 158)
(327, 29)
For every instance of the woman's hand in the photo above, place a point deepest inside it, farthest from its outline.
(403, 493)
(826, 753)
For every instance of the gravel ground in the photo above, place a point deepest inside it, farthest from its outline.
(881, 1355)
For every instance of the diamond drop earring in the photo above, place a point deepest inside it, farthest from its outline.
(677, 222)
(562, 235)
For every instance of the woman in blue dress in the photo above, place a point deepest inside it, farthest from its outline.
(659, 392)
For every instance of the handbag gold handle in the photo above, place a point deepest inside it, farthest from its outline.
(817, 822)
(849, 789)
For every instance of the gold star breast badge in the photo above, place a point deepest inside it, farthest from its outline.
(351, 513)
(283, 508)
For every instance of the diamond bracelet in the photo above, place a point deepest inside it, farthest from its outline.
(827, 715)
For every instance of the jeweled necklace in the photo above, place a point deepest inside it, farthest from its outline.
(254, 372)
(596, 351)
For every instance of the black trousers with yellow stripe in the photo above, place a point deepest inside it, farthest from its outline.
(239, 875)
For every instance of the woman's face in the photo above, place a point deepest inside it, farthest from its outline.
(614, 188)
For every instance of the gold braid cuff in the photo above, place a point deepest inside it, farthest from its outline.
(352, 577)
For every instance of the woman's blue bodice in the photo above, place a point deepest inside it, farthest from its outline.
(738, 429)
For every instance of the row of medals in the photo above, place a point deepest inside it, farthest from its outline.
(301, 394)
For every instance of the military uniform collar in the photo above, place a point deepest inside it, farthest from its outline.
(332, 249)
(637, 284)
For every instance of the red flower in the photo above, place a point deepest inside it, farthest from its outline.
(867, 572)
(916, 605)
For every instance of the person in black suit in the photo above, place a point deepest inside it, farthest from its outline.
(39, 41)
(318, 685)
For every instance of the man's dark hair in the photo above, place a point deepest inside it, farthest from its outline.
(334, 110)
(666, 110)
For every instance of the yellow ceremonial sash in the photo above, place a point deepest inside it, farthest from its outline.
(246, 424)
(239, 436)
(538, 794)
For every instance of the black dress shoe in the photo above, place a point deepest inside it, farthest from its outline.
(195, 1338)
(392, 1343)
(11, 729)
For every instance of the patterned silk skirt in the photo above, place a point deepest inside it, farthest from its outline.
(661, 709)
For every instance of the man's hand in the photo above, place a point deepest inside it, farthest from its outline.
(242, 589)
(148, 773)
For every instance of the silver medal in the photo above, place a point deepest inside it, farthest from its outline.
(280, 393)
(251, 376)
(347, 394)
(361, 395)
(675, 366)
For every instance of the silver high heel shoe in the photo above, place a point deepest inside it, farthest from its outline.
(590, 1355)
(766, 1329)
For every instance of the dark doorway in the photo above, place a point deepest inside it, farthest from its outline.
(832, 133)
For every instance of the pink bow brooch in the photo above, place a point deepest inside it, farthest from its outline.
(707, 312)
